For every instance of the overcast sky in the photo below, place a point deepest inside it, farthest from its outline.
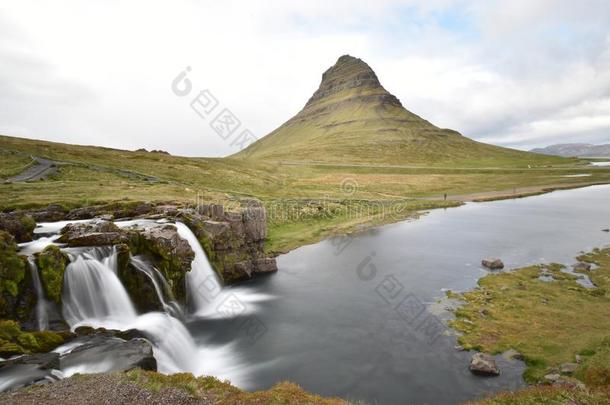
(518, 73)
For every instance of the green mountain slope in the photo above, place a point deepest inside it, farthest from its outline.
(351, 118)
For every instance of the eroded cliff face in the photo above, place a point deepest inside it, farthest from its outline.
(233, 241)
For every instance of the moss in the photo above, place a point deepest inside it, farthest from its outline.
(222, 392)
(52, 265)
(12, 275)
(547, 395)
(14, 341)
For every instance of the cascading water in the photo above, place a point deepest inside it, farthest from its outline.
(160, 285)
(93, 295)
(42, 312)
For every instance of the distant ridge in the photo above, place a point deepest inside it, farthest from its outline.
(352, 118)
(575, 150)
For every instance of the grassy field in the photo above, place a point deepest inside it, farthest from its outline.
(549, 322)
(91, 175)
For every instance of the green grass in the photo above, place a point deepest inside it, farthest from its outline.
(13, 163)
(548, 322)
(545, 395)
(95, 175)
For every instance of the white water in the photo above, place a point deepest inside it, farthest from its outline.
(42, 312)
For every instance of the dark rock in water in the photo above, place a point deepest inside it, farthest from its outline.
(53, 212)
(606, 230)
(44, 361)
(100, 233)
(493, 264)
(114, 353)
(20, 225)
(484, 364)
(582, 267)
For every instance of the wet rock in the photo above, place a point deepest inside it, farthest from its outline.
(581, 267)
(568, 368)
(493, 264)
(265, 265)
(484, 364)
(43, 361)
(18, 224)
(17, 294)
(83, 213)
(606, 230)
(53, 212)
(52, 263)
(113, 353)
(97, 233)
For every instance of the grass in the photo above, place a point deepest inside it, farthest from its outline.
(548, 322)
(546, 395)
(223, 392)
(95, 175)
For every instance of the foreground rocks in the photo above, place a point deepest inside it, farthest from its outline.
(484, 364)
(493, 264)
(102, 349)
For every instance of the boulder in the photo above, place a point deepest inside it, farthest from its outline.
(53, 212)
(581, 267)
(265, 265)
(20, 225)
(96, 233)
(17, 293)
(113, 353)
(606, 230)
(493, 264)
(43, 361)
(52, 263)
(512, 354)
(552, 378)
(568, 368)
(483, 364)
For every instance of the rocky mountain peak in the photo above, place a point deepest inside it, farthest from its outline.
(347, 73)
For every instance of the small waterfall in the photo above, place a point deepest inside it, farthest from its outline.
(203, 284)
(160, 285)
(93, 291)
(42, 311)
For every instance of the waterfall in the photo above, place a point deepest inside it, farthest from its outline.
(93, 291)
(155, 276)
(203, 284)
(42, 312)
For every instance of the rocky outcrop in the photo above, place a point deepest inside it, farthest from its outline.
(17, 294)
(101, 347)
(52, 263)
(484, 364)
(233, 241)
(20, 225)
(98, 233)
(493, 264)
(581, 267)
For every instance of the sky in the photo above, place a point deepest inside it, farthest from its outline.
(516, 73)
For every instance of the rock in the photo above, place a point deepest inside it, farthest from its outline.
(265, 265)
(113, 353)
(53, 212)
(82, 213)
(493, 264)
(582, 267)
(43, 361)
(551, 378)
(568, 382)
(17, 294)
(512, 354)
(483, 364)
(97, 233)
(606, 230)
(52, 263)
(20, 225)
(578, 359)
(568, 368)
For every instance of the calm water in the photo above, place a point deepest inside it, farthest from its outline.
(347, 320)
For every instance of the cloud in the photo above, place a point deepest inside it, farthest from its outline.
(516, 73)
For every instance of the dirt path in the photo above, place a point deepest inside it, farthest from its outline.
(39, 171)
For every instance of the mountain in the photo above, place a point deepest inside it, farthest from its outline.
(351, 118)
(575, 149)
